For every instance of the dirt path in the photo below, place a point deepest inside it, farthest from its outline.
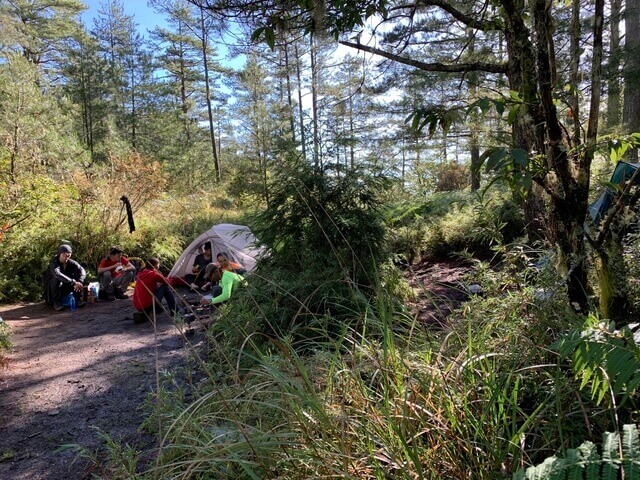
(70, 372)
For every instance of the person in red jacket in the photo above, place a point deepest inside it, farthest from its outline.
(152, 286)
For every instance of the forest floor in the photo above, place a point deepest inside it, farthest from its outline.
(72, 375)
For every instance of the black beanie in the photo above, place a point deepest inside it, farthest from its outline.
(64, 249)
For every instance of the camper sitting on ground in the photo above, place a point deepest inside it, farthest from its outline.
(201, 261)
(228, 280)
(225, 265)
(152, 286)
(115, 273)
(63, 276)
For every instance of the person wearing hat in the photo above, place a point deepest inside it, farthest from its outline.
(201, 261)
(115, 273)
(63, 276)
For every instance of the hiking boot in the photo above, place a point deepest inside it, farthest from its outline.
(58, 307)
(120, 296)
(81, 304)
(110, 298)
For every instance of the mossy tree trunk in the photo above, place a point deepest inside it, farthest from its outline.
(612, 282)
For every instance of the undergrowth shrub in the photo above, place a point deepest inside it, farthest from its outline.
(326, 239)
(445, 223)
(477, 400)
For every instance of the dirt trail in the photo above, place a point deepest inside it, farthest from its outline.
(72, 371)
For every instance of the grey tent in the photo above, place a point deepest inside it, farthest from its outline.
(236, 241)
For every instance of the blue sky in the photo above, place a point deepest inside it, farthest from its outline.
(146, 19)
(142, 14)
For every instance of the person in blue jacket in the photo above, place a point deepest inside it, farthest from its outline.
(63, 276)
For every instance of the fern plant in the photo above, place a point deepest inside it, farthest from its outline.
(619, 456)
(605, 358)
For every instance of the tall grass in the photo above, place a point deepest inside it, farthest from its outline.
(479, 400)
(316, 371)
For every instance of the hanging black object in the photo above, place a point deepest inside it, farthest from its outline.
(127, 204)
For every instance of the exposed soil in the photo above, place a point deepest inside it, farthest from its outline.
(71, 372)
(439, 288)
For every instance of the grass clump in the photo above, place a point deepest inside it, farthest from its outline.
(5, 339)
(478, 400)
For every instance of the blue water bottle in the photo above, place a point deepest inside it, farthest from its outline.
(72, 303)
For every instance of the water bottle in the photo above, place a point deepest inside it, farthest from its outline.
(72, 303)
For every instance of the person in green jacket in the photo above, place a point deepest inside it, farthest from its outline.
(228, 282)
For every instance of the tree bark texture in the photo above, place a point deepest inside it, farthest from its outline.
(631, 106)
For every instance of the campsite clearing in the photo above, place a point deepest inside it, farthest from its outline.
(71, 373)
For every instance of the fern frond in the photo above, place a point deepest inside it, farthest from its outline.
(611, 463)
(591, 459)
(584, 462)
(631, 452)
(605, 359)
(573, 465)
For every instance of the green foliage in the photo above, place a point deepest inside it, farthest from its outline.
(326, 239)
(5, 338)
(404, 404)
(37, 134)
(119, 463)
(454, 222)
(586, 463)
(604, 358)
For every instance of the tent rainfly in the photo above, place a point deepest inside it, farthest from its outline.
(236, 241)
(622, 173)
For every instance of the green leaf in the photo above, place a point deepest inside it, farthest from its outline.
(270, 37)
(520, 157)
(496, 156)
(613, 155)
(484, 104)
(513, 113)
(257, 33)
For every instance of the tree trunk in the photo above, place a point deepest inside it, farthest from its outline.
(290, 114)
(216, 163)
(475, 163)
(612, 281)
(303, 137)
(631, 107)
(314, 105)
(613, 80)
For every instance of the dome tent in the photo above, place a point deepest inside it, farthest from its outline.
(236, 241)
